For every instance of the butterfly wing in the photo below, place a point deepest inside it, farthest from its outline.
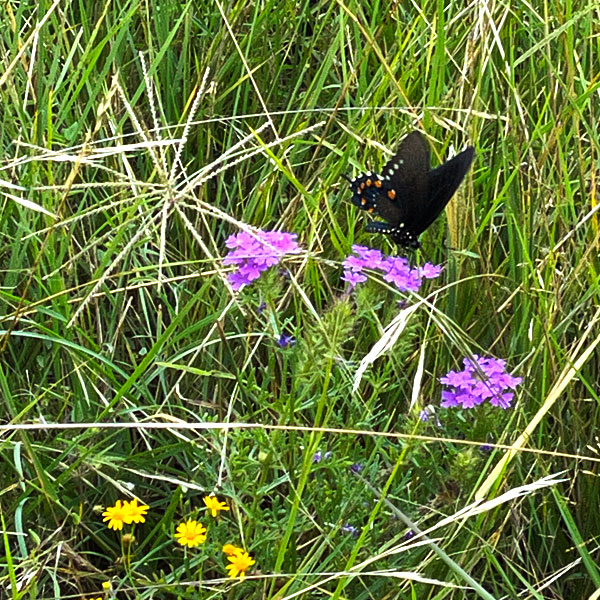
(442, 183)
(405, 182)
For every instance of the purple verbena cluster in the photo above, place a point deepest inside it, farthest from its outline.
(253, 254)
(395, 269)
(476, 384)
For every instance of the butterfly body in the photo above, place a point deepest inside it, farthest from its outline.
(408, 195)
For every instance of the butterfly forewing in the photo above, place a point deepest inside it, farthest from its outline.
(405, 181)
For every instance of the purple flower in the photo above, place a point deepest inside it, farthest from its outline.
(398, 272)
(354, 263)
(483, 378)
(253, 254)
(347, 528)
(371, 256)
(396, 269)
(356, 467)
(318, 456)
(261, 308)
(286, 340)
(353, 278)
(429, 271)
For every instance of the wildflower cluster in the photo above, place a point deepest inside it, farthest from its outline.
(396, 269)
(124, 512)
(189, 533)
(482, 379)
(240, 560)
(192, 533)
(255, 253)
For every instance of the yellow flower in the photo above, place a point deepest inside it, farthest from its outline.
(230, 549)
(213, 504)
(98, 598)
(241, 561)
(191, 533)
(116, 515)
(136, 513)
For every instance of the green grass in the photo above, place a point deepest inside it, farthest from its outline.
(136, 138)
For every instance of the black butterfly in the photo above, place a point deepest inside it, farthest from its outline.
(408, 196)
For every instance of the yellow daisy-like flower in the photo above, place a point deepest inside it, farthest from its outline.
(191, 533)
(136, 514)
(98, 598)
(240, 562)
(230, 549)
(213, 504)
(116, 515)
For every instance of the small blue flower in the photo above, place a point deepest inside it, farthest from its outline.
(347, 528)
(286, 340)
(318, 456)
(356, 467)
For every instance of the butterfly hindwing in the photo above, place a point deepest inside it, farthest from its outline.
(443, 182)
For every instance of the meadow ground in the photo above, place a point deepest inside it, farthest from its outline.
(194, 408)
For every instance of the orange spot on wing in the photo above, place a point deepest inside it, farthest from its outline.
(391, 194)
(378, 183)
